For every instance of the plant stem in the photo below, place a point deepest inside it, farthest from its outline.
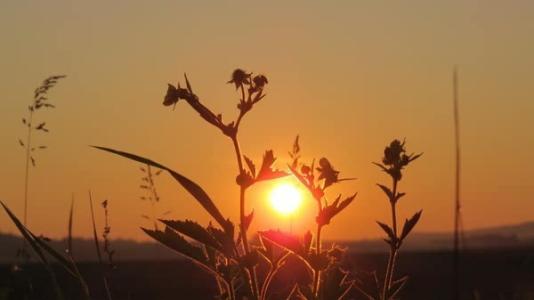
(243, 229)
(393, 207)
(273, 270)
(266, 283)
(394, 246)
(98, 252)
(457, 206)
(317, 273)
(27, 173)
(231, 291)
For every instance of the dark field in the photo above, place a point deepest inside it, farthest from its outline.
(507, 274)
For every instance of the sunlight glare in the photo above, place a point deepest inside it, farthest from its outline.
(285, 198)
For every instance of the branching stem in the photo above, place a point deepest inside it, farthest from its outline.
(317, 273)
(394, 244)
(242, 225)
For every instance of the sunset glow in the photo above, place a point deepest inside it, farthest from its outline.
(285, 199)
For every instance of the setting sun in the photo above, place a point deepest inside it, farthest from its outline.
(285, 198)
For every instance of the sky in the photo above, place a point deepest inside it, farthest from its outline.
(347, 76)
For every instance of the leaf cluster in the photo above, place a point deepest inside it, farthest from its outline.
(335, 281)
(317, 180)
(395, 159)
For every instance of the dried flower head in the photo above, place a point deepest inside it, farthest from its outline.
(174, 94)
(327, 172)
(239, 78)
(395, 159)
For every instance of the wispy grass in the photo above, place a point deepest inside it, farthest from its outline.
(40, 102)
(151, 195)
(103, 269)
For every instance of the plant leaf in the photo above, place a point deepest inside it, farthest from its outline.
(251, 166)
(396, 287)
(30, 238)
(25, 233)
(307, 241)
(409, 224)
(65, 263)
(38, 244)
(248, 220)
(296, 294)
(388, 231)
(318, 262)
(224, 238)
(266, 171)
(386, 190)
(335, 283)
(95, 235)
(188, 84)
(193, 230)
(367, 284)
(285, 240)
(177, 243)
(69, 238)
(250, 260)
(399, 195)
(381, 166)
(330, 211)
(194, 189)
(327, 172)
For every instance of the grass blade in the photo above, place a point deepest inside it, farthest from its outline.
(194, 189)
(69, 239)
(195, 231)
(31, 240)
(95, 235)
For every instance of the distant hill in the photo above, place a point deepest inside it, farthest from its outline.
(84, 249)
(509, 236)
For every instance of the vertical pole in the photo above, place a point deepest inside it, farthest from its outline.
(457, 206)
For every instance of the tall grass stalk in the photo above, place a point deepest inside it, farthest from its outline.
(457, 205)
(98, 251)
(40, 101)
(70, 255)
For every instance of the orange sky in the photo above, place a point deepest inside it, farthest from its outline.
(348, 77)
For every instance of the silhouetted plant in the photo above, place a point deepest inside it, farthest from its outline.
(324, 264)
(44, 252)
(217, 248)
(394, 161)
(151, 195)
(104, 270)
(230, 257)
(105, 235)
(40, 101)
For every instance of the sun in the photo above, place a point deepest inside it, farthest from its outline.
(285, 198)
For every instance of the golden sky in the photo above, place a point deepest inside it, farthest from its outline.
(348, 76)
